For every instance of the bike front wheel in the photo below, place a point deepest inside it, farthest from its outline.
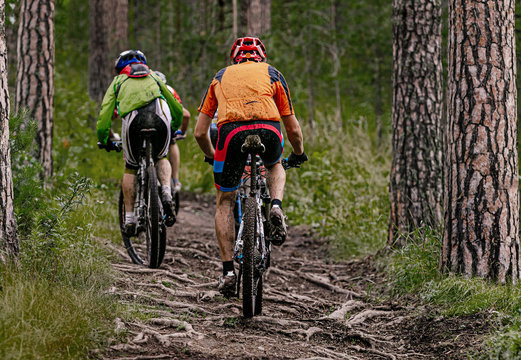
(251, 277)
(131, 248)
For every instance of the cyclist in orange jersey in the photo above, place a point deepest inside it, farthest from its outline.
(252, 97)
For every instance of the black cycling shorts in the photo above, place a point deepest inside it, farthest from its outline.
(229, 161)
(145, 118)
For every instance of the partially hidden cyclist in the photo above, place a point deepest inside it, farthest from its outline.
(252, 97)
(173, 152)
(134, 94)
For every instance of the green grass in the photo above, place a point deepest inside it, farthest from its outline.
(40, 319)
(342, 191)
(413, 269)
(53, 301)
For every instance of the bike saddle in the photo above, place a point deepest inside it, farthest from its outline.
(253, 144)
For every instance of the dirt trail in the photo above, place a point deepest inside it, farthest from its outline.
(313, 309)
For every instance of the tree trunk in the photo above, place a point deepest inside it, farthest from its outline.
(35, 82)
(259, 17)
(417, 170)
(8, 237)
(309, 71)
(100, 64)
(335, 55)
(234, 14)
(119, 23)
(481, 236)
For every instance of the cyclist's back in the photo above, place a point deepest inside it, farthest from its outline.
(248, 91)
(252, 97)
(142, 100)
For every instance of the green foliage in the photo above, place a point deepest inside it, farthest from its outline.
(53, 303)
(414, 269)
(45, 320)
(342, 190)
(27, 185)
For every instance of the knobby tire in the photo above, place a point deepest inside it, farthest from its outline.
(250, 276)
(156, 243)
(127, 241)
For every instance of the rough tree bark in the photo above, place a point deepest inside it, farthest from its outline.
(259, 17)
(100, 71)
(416, 185)
(234, 21)
(481, 236)
(8, 237)
(35, 77)
(118, 17)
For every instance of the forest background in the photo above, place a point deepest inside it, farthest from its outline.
(337, 59)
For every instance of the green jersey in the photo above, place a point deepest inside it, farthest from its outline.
(127, 93)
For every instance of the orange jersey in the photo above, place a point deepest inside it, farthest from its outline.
(247, 91)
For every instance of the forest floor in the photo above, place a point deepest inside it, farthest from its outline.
(313, 308)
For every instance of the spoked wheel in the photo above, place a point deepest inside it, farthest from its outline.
(131, 248)
(251, 277)
(155, 229)
(175, 197)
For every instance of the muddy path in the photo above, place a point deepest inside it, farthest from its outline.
(313, 308)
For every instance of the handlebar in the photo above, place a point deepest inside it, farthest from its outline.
(179, 136)
(285, 164)
(111, 145)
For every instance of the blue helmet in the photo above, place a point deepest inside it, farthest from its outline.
(128, 57)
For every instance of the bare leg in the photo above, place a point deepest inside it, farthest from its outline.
(164, 172)
(174, 158)
(225, 223)
(276, 181)
(129, 191)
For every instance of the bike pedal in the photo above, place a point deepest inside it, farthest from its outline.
(170, 220)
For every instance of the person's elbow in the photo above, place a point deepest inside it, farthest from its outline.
(199, 133)
(186, 114)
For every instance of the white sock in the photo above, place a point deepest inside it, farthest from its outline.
(129, 217)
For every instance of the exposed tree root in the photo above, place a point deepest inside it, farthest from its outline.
(341, 313)
(374, 351)
(327, 285)
(365, 315)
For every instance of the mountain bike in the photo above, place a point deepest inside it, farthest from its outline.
(252, 248)
(175, 194)
(148, 246)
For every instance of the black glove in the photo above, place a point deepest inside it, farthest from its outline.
(111, 145)
(296, 160)
(208, 160)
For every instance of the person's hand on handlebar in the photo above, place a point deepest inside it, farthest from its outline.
(296, 160)
(179, 135)
(208, 160)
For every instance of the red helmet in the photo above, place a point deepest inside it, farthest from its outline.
(248, 48)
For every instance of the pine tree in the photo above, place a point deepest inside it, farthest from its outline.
(481, 236)
(8, 236)
(35, 72)
(417, 171)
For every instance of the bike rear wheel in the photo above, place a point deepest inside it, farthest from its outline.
(156, 239)
(251, 276)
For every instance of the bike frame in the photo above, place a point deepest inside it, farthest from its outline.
(254, 177)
